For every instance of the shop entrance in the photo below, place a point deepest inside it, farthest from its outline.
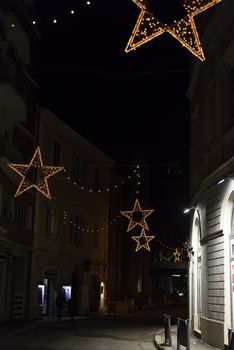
(49, 308)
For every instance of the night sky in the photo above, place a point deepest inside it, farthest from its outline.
(121, 101)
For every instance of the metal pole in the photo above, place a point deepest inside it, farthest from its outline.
(165, 329)
(169, 330)
(178, 330)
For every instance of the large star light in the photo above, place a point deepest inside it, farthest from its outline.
(137, 216)
(43, 173)
(142, 241)
(184, 30)
(177, 255)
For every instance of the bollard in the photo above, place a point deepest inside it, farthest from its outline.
(183, 333)
(167, 328)
(230, 340)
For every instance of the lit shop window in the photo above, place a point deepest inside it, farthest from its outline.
(41, 295)
(67, 292)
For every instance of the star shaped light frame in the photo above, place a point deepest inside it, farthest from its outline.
(184, 30)
(46, 171)
(147, 240)
(177, 255)
(129, 214)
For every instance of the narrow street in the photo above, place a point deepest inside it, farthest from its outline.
(130, 332)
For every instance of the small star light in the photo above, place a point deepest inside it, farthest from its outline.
(177, 255)
(142, 241)
(43, 173)
(137, 216)
(184, 30)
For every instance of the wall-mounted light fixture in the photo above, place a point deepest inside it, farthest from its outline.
(188, 210)
(228, 177)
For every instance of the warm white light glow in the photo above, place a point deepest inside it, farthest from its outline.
(143, 214)
(55, 21)
(36, 164)
(184, 30)
(142, 241)
(177, 255)
(72, 12)
(102, 296)
(34, 22)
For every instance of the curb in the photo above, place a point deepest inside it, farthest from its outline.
(158, 346)
(158, 341)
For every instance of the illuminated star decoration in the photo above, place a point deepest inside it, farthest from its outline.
(184, 30)
(137, 211)
(142, 238)
(177, 255)
(44, 173)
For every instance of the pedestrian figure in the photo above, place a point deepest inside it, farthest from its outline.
(71, 309)
(59, 303)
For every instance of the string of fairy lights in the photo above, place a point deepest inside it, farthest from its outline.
(57, 19)
(107, 189)
(137, 217)
(39, 182)
(148, 26)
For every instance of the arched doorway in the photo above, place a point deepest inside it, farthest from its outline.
(195, 275)
(227, 225)
(231, 250)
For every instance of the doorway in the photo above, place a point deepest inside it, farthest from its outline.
(49, 307)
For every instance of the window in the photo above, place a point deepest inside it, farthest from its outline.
(96, 180)
(29, 218)
(20, 212)
(6, 205)
(95, 235)
(78, 170)
(56, 153)
(53, 227)
(76, 230)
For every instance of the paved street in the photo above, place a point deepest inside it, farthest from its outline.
(131, 332)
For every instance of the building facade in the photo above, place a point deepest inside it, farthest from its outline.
(18, 125)
(46, 245)
(71, 229)
(129, 270)
(212, 187)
